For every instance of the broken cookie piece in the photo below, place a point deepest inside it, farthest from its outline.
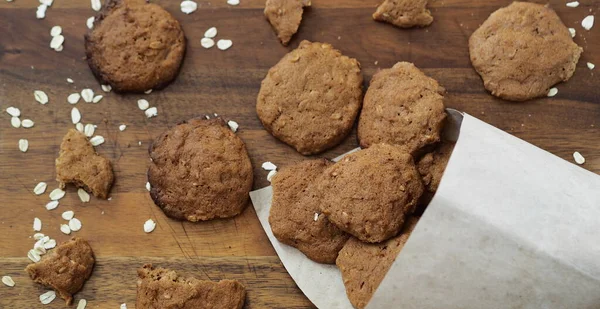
(164, 288)
(64, 269)
(285, 17)
(404, 13)
(79, 164)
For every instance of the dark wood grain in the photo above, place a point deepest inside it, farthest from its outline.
(227, 83)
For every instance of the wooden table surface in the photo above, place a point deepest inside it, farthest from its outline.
(227, 82)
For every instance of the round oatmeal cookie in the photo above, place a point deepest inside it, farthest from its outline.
(294, 215)
(404, 13)
(370, 193)
(522, 50)
(200, 170)
(402, 107)
(310, 99)
(135, 46)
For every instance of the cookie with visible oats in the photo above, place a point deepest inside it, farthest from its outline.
(404, 13)
(522, 50)
(164, 288)
(371, 192)
(363, 266)
(285, 17)
(310, 99)
(403, 107)
(79, 164)
(65, 268)
(294, 216)
(135, 46)
(200, 170)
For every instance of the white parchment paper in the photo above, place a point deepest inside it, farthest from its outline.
(511, 226)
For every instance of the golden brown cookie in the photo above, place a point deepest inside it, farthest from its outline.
(363, 266)
(432, 165)
(403, 107)
(404, 13)
(285, 17)
(310, 99)
(294, 216)
(135, 46)
(65, 268)
(371, 192)
(522, 50)
(79, 164)
(160, 288)
(200, 170)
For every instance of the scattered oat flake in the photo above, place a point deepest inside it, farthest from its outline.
(57, 194)
(83, 195)
(591, 66)
(13, 111)
(56, 30)
(97, 140)
(47, 2)
(23, 145)
(106, 88)
(75, 224)
(233, 125)
(316, 216)
(143, 104)
(97, 98)
(59, 49)
(52, 205)
(33, 256)
(40, 96)
(41, 11)
(123, 306)
(588, 22)
(8, 281)
(51, 243)
(96, 5)
(89, 129)
(27, 123)
(15, 122)
(37, 224)
(224, 44)
(39, 247)
(188, 6)
(65, 229)
(579, 159)
(573, 32)
(87, 95)
(573, 4)
(148, 187)
(149, 226)
(47, 297)
(268, 166)
(38, 236)
(151, 112)
(40, 188)
(68, 215)
(57, 41)
(90, 22)
(210, 33)
(122, 127)
(73, 98)
(271, 174)
(70, 81)
(79, 127)
(233, 2)
(149, 91)
(82, 303)
(75, 115)
(207, 43)
(552, 92)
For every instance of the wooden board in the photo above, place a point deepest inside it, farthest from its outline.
(227, 83)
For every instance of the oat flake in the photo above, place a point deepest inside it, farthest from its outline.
(97, 140)
(27, 123)
(151, 112)
(57, 41)
(23, 145)
(75, 115)
(82, 303)
(68, 215)
(573, 4)
(149, 226)
(90, 22)
(70, 81)
(41, 11)
(15, 122)
(123, 306)
(268, 166)
(55, 31)
(47, 297)
(224, 44)
(65, 229)
(87, 95)
(552, 92)
(57, 194)
(207, 43)
(210, 33)
(59, 49)
(83, 195)
(96, 5)
(52, 205)
(51, 243)
(89, 129)
(75, 224)
(40, 96)
(73, 98)
(188, 6)
(271, 174)
(40, 188)
(579, 159)
(588, 22)
(573, 32)
(591, 66)
(149, 91)
(79, 127)
(37, 224)
(97, 98)
(122, 127)
(143, 104)
(38, 236)
(13, 111)
(233, 2)
(148, 187)
(233, 125)
(33, 256)
(316, 216)
(8, 281)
